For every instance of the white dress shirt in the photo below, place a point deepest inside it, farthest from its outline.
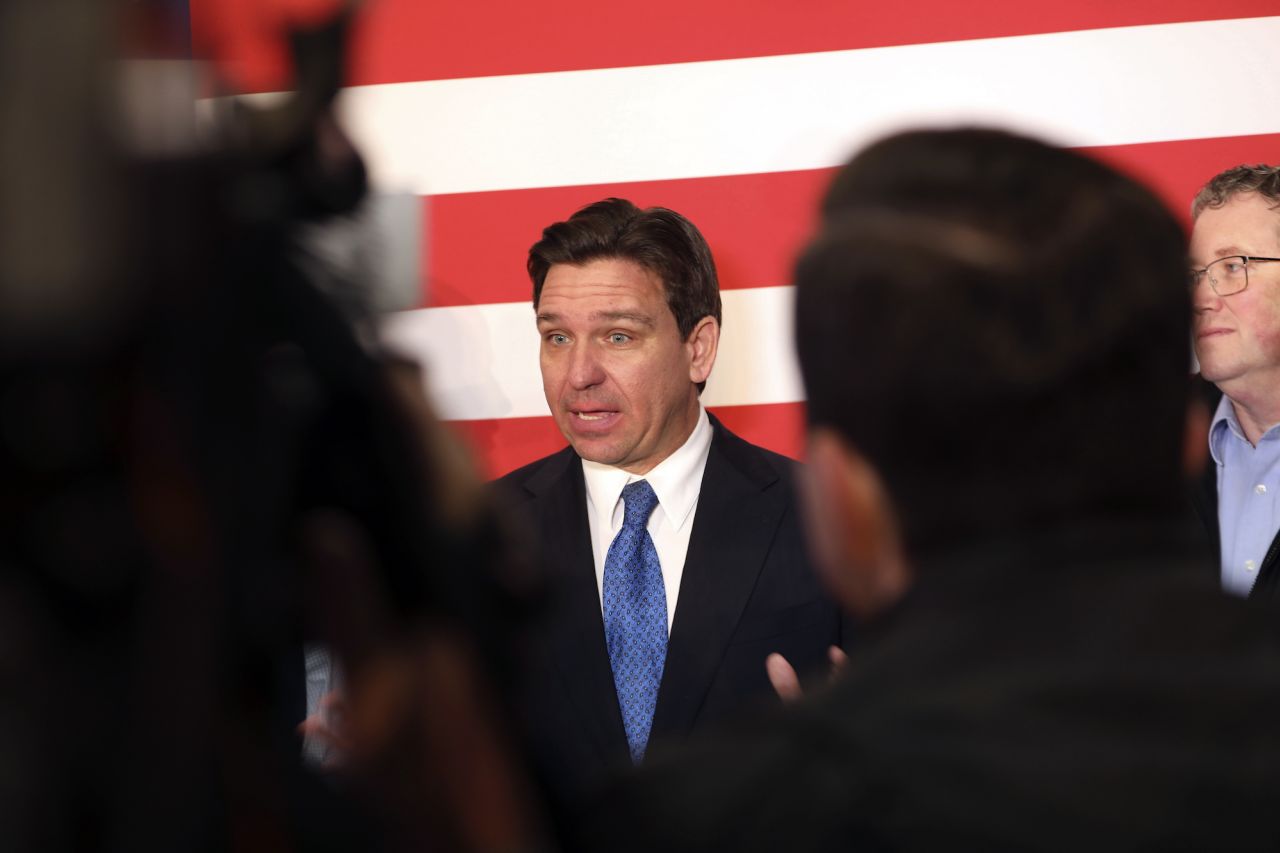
(676, 481)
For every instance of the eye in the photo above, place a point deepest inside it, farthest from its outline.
(557, 339)
(619, 338)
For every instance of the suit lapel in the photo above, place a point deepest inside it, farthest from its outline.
(1204, 497)
(735, 523)
(1204, 491)
(577, 635)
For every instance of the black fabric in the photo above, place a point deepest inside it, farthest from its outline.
(748, 589)
(1086, 690)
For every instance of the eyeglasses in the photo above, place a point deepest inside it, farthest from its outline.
(1226, 275)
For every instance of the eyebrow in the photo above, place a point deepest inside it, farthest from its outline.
(641, 319)
(611, 316)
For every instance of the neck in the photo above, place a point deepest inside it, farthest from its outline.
(1256, 409)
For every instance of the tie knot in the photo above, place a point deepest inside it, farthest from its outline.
(639, 501)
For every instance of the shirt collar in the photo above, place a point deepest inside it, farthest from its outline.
(676, 480)
(1226, 423)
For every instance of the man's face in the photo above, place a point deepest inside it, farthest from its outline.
(619, 379)
(1237, 337)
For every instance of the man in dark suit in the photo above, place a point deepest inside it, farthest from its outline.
(993, 335)
(1235, 277)
(674, 557)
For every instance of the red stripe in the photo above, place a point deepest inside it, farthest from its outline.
(478, 242)
(504, 445)
(1177, 170)
(403, 40)
(777, 426)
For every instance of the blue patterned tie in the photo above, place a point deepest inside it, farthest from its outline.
(635, 616)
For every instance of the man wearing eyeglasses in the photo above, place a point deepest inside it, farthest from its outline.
(1235, 290)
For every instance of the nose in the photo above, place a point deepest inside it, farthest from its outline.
(585, 368)
(1203, 296)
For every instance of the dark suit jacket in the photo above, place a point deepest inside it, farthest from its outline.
(1077, 689)
(1204, 497)
(748, 589)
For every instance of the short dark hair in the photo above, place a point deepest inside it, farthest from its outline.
(660, 240)
(1222, 187)
(1002, 329)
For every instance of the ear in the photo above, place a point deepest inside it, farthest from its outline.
(852, 529)
(1195, 438)
(702, 343)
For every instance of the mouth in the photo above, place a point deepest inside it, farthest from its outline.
(1211, 333)
(592, 420)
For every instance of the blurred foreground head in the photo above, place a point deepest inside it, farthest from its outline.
(994, 332)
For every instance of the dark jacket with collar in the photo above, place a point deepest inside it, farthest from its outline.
(748, 589)
(1079, 688)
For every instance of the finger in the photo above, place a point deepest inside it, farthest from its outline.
(783, 677)
(315, 727)
(318, 729)
(333, 703)
(838, 659)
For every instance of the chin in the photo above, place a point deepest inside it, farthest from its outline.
(1217, 374)
(594, 450)
(1209, 375)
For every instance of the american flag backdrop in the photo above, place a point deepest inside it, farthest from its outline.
(508, 116)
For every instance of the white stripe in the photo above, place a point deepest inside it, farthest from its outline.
(756, 362)
(802, 111)
(482, 361)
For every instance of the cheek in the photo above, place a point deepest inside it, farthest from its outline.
(1264, 324)
(648, 380)
(552, 371)
(625, 381)
(667, 389)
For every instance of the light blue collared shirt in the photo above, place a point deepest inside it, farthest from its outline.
(1248, 486)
